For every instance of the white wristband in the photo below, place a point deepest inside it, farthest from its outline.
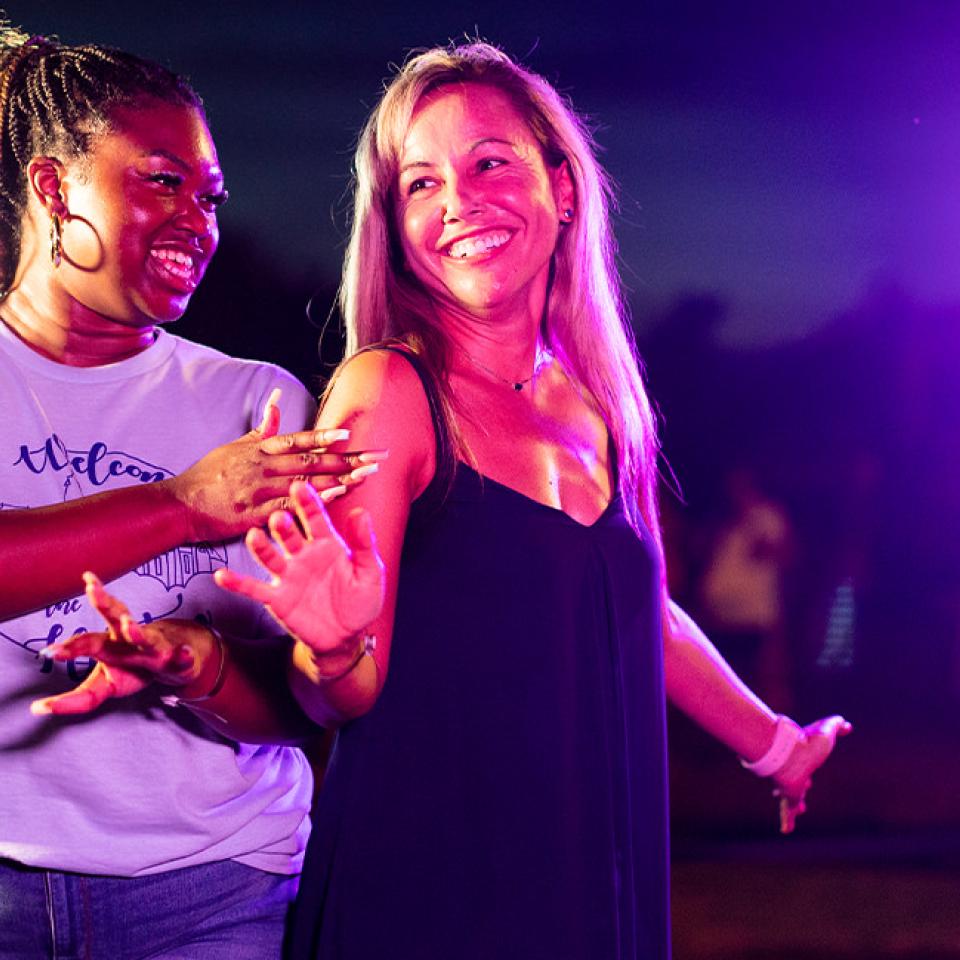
(786, 736)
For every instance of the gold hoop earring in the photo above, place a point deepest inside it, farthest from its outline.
(56, 240)
(93, 259)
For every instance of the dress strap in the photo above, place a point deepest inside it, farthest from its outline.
(444, 456)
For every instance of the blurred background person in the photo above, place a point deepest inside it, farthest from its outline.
(741, 591)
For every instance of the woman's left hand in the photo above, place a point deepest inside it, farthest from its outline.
(794, 778)
(130, 656)
(325, 585)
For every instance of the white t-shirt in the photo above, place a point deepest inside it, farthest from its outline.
(135, 788)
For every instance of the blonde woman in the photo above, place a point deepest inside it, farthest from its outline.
(498, 788)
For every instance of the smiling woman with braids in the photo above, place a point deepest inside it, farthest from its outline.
(138, 830)
(498, 787)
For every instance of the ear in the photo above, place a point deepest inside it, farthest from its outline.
(45, 176)
(564, 192)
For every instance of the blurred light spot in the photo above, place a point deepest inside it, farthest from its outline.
(838, 641)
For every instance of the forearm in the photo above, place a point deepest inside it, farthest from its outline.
(44, 551)
(254, 704)
(701, 684)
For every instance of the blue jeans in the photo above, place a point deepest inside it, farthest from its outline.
(218, 911)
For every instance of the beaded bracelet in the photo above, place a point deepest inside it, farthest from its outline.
(786, 736)
(172, 700)
(368, 643)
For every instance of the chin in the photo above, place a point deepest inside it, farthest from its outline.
(481, 298)
(167, 311)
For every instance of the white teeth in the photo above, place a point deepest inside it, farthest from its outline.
(474, 245)
(175, 261)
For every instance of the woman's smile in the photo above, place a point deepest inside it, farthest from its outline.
(479, 208)
(469, 248)
(177, 267)
(143, 225)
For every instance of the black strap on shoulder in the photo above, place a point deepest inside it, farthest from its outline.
(445, 458)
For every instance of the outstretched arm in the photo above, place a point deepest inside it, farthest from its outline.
(703, 686)
(44, 551)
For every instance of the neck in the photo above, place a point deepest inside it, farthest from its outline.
(62, 330)
(505, 348)
(503, 337)
(513, 364)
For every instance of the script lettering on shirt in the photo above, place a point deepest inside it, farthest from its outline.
(98, 464)
(63, 607)
(77, 669)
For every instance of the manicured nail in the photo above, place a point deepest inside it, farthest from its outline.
(49, 652)
(373, 456)
(274, 399)
(40, 708)
(331, 493)
(332, 436)
(358, 473)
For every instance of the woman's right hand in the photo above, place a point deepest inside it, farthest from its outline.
(238, 485)
(794, 778)
(324, 589)
(130, 656)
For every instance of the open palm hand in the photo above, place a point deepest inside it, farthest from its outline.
(325, 588)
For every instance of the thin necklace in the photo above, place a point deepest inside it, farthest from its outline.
(517, 385)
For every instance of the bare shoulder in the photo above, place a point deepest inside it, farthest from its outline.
(378, 396)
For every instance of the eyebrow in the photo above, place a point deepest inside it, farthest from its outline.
(485, 140)
(420, 164)
(215, 173)
(167, 155)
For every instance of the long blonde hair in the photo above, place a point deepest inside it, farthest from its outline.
(585, 323)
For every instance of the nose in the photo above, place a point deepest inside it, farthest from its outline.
(461, 200)
(196, 219)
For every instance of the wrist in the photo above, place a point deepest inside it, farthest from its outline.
(334, 665)
(177, 511)
(787, 734)
(210, 677)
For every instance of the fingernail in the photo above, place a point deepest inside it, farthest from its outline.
(358, 473)
(373, 456)
(49, 652)
(331, 493)
(274, 399)
(332, 436)
(40, 708)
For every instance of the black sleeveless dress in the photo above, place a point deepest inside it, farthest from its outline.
(506, 796)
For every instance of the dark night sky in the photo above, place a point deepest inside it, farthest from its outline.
(788, 159)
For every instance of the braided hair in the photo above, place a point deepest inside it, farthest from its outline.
(55, 99)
